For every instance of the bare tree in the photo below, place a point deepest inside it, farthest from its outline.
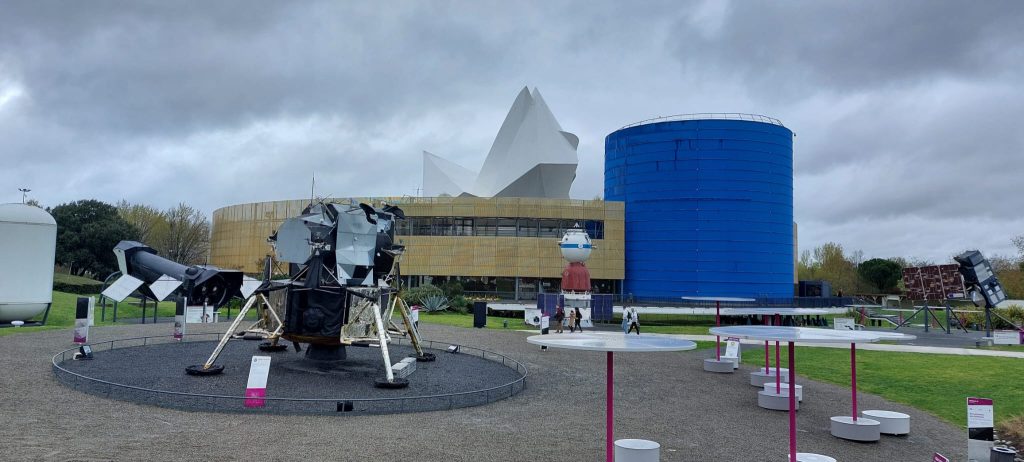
(150, 222)
(187, 239)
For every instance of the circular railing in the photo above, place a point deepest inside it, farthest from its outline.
(285, 405)
(711, 116)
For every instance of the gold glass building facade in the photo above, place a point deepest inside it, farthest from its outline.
(453, 237)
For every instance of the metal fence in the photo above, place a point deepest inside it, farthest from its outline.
(277, 405)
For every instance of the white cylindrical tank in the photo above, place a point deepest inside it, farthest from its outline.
(28, 244)
(575, 245)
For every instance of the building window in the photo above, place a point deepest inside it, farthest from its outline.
(506, 227)
(549, 228)
(486, 227)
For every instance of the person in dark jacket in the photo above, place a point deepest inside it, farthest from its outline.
(559, 316)
(577, 319)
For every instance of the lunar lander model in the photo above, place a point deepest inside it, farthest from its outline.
(343, 264)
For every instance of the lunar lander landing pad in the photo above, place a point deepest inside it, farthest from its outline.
(149, 371)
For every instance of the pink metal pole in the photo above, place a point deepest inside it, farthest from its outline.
(609, 411)
(853, 377)
(766, 321)
(792, 405)
(718, 339)
(778, 370)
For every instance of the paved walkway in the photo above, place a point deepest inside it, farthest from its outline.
(665, 397)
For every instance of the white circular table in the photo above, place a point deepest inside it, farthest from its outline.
(718, 317)
(611, 343)
(791, 335)
(759, 378)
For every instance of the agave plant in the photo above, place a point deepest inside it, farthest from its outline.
(435, 303)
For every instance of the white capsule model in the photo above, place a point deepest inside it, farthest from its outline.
(28, 242)
(576, 245)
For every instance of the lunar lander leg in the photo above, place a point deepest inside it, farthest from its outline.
(209, 368)
(410, 329)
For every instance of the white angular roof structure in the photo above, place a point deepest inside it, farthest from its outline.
(531, 157)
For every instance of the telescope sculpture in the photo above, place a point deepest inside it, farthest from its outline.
(157, 278)
(340, 292)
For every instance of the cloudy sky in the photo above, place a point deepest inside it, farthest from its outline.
(909, 115)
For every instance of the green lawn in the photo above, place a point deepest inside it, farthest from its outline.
(62, 313)
(939, 384)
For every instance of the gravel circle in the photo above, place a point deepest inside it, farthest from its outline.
(155, 374)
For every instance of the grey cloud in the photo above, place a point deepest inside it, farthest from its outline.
(217, 103)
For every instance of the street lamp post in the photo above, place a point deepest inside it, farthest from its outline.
(24, 193)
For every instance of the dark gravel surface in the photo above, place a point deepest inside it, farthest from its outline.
(664, 397)
(161, 367)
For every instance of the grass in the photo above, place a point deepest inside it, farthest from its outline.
(939, 384)
(62, 313)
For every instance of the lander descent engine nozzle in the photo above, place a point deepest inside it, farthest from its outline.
(157, 277)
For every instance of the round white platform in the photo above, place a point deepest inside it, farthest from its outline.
(770, 388)
(759, 377)
(774, 401)
(721, 366)
(614, 341)
(632, 450)
(811, 457)
(863, 429)
(892, 423)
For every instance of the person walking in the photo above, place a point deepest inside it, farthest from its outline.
(559, 316)
(634, 321)
(578, 318)
(572, 321)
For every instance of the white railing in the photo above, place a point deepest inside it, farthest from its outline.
(710, 115)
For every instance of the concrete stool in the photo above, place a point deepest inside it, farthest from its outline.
(630, 450)
(770, 387)
(721, 366)
(775, 401)
(810, 457)
(893, 423)
(759, 377)
(860, 430)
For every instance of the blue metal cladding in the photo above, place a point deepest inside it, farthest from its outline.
(709, 207)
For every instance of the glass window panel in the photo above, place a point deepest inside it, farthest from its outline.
(486, 227)
(507, 227)
(527, 227)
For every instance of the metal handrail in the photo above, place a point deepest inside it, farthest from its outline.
(519, 367)
(709, 116)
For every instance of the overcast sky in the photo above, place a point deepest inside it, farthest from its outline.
(909, 115)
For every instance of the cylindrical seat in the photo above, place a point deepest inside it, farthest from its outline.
(892, 423)
(633, 450)
(770, 388)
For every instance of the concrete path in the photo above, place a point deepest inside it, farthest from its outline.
(665, 397)
(890, 347)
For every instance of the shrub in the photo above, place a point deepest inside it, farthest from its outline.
(435, 303)
(459, 304)
(76, 284)
(452, 289)
(1012, 431)
(416, 295)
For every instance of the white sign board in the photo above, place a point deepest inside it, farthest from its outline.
(256, 388)
(199, 315)
(532, 316)
(844, 324)
(732, 351)
(545, 322)
(414, 315)
(1006, 337)
(249, 285)
(980, 433)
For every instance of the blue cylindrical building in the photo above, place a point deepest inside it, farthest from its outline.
(709, 206)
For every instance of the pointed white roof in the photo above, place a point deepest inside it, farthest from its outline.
(531, 157)
(442, 176)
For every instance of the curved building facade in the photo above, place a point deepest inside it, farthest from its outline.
(506, 247)
(708, 206)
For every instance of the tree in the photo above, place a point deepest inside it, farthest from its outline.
(150, 222)
(187, 236)
(87, 232)
(883, 274)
